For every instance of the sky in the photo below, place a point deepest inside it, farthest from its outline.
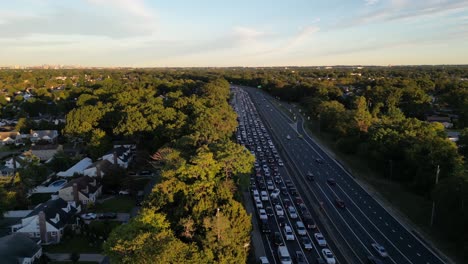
(147, 33)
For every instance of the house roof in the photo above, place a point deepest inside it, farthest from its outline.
(45, 134)
(438, 119)
(10, 134)
(79, 167)
(122, 152)
(17, 246)
(82, 183)
(53, 207)
(104, 165)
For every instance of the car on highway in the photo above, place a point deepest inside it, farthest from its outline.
(263, 260)
(310, 176)
(258, 203)
(269, 211)
(306, 243)
(309, 221)
(287, 203)
(278, 179)
(331, 181)
(280, 163)
(265, 226)
(301, 230)
(278, 239)
(283, 255)
(262, 214)
(340, 203)
(279, 210)
(300, 258)
(281, 220)
(264, 196)
(292, 212)
(270, 185)
(380, 250)
(88, 216)
(328, 256)
(288, 233)
(298, 200)
(320, 239)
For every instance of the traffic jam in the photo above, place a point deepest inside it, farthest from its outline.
(289, 230)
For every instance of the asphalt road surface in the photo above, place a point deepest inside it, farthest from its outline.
(351, 230)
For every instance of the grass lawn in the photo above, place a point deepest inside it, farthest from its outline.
(79, 244)
(38, 198)
(118, 204)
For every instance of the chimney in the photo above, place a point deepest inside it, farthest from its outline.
(42, 227)
(115, 157)
(76, 196)
(98, 171)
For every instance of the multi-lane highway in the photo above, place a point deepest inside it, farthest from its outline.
(362, 221)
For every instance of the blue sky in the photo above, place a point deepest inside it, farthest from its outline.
(145, 33)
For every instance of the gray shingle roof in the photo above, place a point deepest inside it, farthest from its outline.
(17, 246)
(53, 207)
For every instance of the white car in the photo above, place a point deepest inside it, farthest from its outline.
(320, 239)
(264, 260)
(292, 212)
(262, 213)
(288, 137)
(288, 232)
(279, 210)
(258, 203)
(328, 256)
(280, 163)
(380, 249)
(275, 193)
(264, 196)
(88, 216)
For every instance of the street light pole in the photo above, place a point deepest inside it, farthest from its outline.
(217, 222)
(433, 202)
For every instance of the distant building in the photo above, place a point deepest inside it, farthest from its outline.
(19, 249)
(453, 135)
(49, 136)
(8, 138)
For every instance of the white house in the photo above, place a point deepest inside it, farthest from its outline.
(78, 168)
(120, 155)
(48, 220)
(83, 189)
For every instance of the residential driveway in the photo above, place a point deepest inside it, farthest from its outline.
(83, 257)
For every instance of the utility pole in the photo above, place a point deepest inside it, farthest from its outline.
(217, 223)
(433, 202)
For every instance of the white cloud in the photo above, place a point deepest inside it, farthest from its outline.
(133, 7)
(245, 33)
(371, 2)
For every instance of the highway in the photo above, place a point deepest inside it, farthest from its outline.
(363, 220)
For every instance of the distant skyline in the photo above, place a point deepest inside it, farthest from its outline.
(138, 33)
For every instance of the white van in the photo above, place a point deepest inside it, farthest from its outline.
(283, 255)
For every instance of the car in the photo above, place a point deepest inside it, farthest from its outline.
(263, 260)
(265, 226)
(309, 221)
(340, 203)
(300, 258)
(287, 203)
(262, 214)
(319, 161)
(270, 186)
(107, 216)
(264, 196)
(310, 176)
(278, 179)
(331, 181)
(124, 192)
(279, 210)
(306, 243)
(328, 256)
(298, 200)
(373, 260)
(288, 233)
(303, 209)
(258, 203)
(280, 163)
(269, 211)
(301, 230)
(320, 239)
(255, 194)
(320, 260)
(275, 200)
(88, 216)
(292, 212)
(293, 191)
(278, 239)
(284, 190)
(275, 193)
(380, 250)
(288, 137)
(281, 220)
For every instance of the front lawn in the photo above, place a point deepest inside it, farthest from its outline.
(79, 244)
(118, 204)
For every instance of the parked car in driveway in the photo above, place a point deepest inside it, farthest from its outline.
(88, 216)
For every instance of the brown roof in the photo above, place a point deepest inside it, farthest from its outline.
(11, 134)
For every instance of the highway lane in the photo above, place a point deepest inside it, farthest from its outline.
(363, 210)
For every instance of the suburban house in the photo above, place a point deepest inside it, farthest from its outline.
(453, 135)
(83, 189)
(444, 120)
(18, 248)
(78, 168)
(119, 155)
(12, 137)
(98, 168)
(49, 136)
(15, 162)
(48, 220)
